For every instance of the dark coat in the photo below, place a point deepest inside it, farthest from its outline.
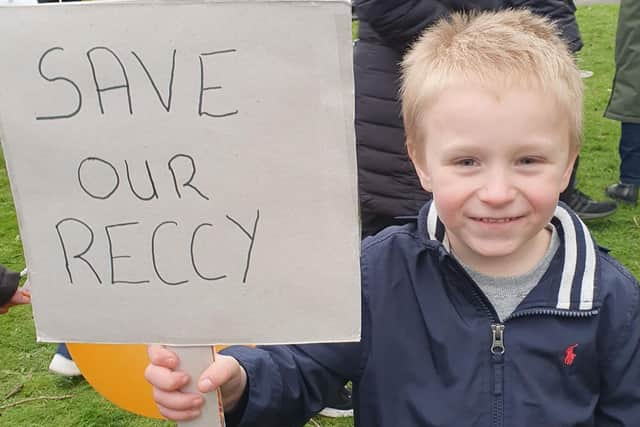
(430, 354)
(388, 185)
(8, 284)
(624, 103)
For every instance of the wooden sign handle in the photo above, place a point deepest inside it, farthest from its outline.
(194, 360)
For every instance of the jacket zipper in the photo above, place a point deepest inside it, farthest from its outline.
(497, 362)
(552, 312)
(497, 348)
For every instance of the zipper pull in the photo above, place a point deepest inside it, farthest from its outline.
(497, 345)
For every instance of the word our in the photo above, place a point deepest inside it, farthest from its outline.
(92, 168)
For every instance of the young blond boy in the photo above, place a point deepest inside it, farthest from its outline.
(496, 308)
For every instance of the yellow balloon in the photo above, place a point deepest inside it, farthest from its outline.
(116, 371)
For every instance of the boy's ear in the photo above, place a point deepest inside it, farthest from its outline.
(420, 164)
(566, 176)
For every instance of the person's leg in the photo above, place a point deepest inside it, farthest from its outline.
(340, 404)
(630, 153)
(63, 364)
(627, 189)
(583, 205)
(63, 351)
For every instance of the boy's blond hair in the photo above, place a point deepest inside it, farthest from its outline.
(496, 50)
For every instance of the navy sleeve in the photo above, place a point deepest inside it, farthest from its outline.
(562, 12)
(289, 384)
(399, 23)
(619, 403)
(8, 284)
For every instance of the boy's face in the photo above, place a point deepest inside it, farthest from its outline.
(496, 164)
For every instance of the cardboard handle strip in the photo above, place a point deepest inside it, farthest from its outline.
(194, 360)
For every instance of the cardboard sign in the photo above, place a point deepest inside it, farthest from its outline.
(184, 171)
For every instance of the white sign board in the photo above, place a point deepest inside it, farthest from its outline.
(184, 171)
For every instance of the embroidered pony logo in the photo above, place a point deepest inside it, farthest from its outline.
(569, 355)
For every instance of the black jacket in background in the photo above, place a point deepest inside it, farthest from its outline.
(388, 184)
(8, 284)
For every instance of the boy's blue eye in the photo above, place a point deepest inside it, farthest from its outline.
(528, 161)
(466, 162)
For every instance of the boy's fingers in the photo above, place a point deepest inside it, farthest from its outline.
(178, 415)
(223, 370)
(178, 401)
(160, 356)
(165, 379)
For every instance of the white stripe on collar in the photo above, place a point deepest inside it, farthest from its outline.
(570, 259)
(432, 221)
(574, 244)
(589, 275)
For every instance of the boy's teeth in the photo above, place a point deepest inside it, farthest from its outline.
(496, 219)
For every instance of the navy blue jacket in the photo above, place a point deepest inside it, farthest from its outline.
(434, 353)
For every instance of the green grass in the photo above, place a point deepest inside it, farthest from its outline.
(599, 160)
(24, 362)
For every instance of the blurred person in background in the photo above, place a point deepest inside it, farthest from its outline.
(624, 103)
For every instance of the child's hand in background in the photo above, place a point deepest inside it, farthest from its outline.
(22, 296)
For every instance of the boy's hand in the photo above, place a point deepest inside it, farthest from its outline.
(174, 404)
(21, 296)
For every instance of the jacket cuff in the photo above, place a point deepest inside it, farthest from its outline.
(262, 387)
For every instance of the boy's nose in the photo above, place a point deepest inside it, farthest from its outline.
(497, 189)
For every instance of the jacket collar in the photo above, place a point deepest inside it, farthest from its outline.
(576, 288)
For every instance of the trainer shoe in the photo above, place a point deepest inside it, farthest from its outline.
(585, 74)
(586, 208)
(627, 193)
(62, 366)
(340, 404)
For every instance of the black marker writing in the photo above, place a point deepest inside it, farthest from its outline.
(99, 178)
(193, 257)
(204, 89)
(252, 238)
(100, 89)
(187, 183)
(154, 192)
(82, 253)
(94, 161)
(167, 104)
(153, 254)
(77, 242)
(54, 79)
(101, 57)
(112, 257)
